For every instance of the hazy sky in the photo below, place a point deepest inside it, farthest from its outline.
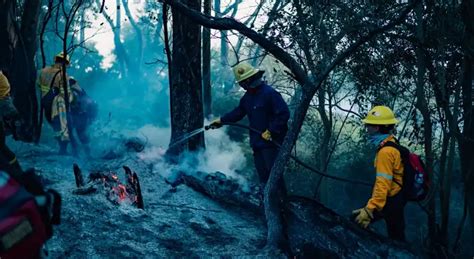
(104, 38)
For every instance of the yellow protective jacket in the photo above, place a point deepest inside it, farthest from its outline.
(58, 105)
(46, 76)
(389, 175)
(4, 86)
(6, 103)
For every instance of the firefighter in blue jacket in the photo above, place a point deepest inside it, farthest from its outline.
(267, 112)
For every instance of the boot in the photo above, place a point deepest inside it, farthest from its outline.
(63, 147)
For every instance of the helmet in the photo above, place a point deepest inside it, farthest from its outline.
(61, 56)
(243, 71)
(380, 115)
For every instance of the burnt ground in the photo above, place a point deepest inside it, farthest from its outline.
(180, 223)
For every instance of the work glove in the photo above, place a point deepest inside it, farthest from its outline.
(267, 135)
(215, 124)
(363, 216)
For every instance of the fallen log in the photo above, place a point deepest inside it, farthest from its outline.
(313, 230)
(220, 187)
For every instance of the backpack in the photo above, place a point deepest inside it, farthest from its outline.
(416, 182)
(84, 107)
(24, 225)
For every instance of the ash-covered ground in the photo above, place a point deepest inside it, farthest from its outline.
(180, 223)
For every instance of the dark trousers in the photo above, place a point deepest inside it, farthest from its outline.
(264, 160)
(394, 215)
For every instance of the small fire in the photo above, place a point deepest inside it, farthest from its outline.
(121, 191)
(118, 191)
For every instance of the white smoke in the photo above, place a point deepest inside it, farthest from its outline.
(221, 153)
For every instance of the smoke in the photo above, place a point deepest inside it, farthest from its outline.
(220, 155)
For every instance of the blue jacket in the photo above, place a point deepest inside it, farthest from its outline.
(265, 109)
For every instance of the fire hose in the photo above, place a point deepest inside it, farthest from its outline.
(297, 160)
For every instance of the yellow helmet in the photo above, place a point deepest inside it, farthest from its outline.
(244, 71)
(380, 115)
(61, 56)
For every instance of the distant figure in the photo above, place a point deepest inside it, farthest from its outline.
(51, 83)
(83, 112)
(267, 113)
(8, 160)
(387, 200)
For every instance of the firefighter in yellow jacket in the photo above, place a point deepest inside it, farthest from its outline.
(51, 83)
(8, 161)
(387, 200)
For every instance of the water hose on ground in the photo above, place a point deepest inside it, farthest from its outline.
(324, 174)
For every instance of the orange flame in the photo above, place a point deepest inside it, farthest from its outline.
(121, 191)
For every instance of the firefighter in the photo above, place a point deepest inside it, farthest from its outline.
(53, 102)
(387, 201)
(267, 112)
(8, 160)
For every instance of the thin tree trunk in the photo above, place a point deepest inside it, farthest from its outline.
(223, 41)
(467, 145)
(444, 174)
(422, 106)
(139, 36)
(206, 63)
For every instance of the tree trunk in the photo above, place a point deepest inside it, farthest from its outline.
(223, 49)
(7, 33)
(443, 175)
(422, 106)
(206, 63)
(136, 68)
(467, 145)
(24, 71)
(186, 88)
(324, 145)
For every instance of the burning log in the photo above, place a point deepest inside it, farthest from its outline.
(134, 186)
(81, 189)
(312, 229)
(116, 191)
(78, 176)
